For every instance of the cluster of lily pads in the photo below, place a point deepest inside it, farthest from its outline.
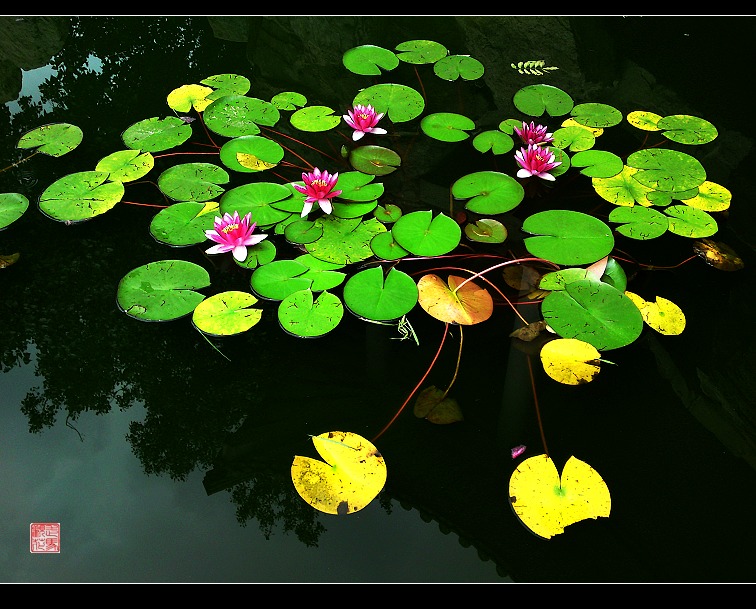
(328, 244)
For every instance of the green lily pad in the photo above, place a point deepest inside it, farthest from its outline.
(315, 119)
(227, 84)
(447, 126)
(421, 51)
(369, 60)
(357, 186)
(399, 102)
(388, 213)
(594, 312)
(384, 246)
(494, 141)
(690, 222)
(598, 163)
(453, 67)
(238, 115)
(686, 129)
(567, 237)
(258, 255)
(486, 230)
(345, 240)
(557, 280)
(193, 182)
(423, 235)
(534, 100)
(370, 295)
(155, 134)
(615, 275)
(374, 160)
(303, 231)
(278, 279)
(226, 314)
(80, 196)
(343, 209)
(489, 192)
(256, 198)
(639, 222)
(267, 152)
(126, 165)
(596, 115)
(302, 315)
(324, 275)
(666, 170)
(294, 203)
(13, 205)
(576, 139)
(508, 125)
(184, 224)
(288, 100)
(623, 189)
(162, 291)
(54, 140)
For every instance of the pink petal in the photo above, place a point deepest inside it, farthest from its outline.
(518, 450)
(326, 206)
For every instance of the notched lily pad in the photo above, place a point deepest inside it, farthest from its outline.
(55, 139)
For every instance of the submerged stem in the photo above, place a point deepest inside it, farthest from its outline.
(420, 382)
(456, 369)
(538, 410)
(17, 163)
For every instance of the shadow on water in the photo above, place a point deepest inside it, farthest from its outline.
(670, 427)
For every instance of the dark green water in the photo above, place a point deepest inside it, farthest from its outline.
(165, 462)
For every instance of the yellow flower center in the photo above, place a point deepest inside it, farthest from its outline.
(319, 183)
(230, 227)
(364, 116)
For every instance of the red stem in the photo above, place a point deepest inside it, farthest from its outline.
(409, 397)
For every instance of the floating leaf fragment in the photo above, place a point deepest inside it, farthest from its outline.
(529, 332)
(718, 255)
(433, 406)
(6, 261)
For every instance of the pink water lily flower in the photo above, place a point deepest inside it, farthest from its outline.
(318, 186)
(233, 235)
(363, 119)
(536, 161)
(534, 134)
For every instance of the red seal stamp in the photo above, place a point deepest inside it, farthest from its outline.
(44, 537)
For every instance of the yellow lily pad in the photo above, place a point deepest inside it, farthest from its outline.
(352, 475)
(664, 316)
(570, 361)
(546, 505)
(187, 97)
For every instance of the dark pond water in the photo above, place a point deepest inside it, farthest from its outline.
(165, 462)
